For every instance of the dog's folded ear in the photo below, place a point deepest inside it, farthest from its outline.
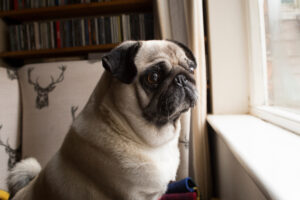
(188, 53)
(120, 61)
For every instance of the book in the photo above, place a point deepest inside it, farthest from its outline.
(89, 31)
(27, 27)
(112, 30)
(36, 35)
(52, 34)
(81, 32)
(16, 4)
(43, 35)
(93, 32)
(62, 33)
(107, 30)
(18, 41)
(73, 33)
(134, 27)
(6, 5)
(86, 32)
(67, 34)
(23, 37)
(96, 33)
(12, 37)
(32, 36)
(101, 27)
(58, 38)
(78, 33)
(142, 26)
(149, 26)
(125, 27)
(119, 29)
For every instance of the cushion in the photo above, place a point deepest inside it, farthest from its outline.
(52, 95)
(10, 149)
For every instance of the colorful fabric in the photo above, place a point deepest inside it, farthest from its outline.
(10, 120)
(4, 195)
(53, 94)
(184, 189)
(180, 196)
(182, 186)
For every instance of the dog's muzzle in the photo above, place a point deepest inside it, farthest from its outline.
(180, 96)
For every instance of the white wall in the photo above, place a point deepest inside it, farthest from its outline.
(233, 182)
(228, 56)
(229, 69)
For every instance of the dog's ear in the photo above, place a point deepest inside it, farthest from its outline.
(120, 61)
(188, 53)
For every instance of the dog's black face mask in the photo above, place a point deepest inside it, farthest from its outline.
(173, 92)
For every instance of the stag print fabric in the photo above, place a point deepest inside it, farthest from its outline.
(9, 122)
(184, 146)
(53, 94)
(42, 92)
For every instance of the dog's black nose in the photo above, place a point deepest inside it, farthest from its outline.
(180, 80)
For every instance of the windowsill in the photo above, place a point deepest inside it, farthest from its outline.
(287, 119)
(269, 154)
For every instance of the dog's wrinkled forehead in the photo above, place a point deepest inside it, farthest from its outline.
(172, 53)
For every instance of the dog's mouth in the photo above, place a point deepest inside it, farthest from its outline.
(175, 102)
(171, 105)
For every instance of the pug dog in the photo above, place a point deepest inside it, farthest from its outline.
(124, 143)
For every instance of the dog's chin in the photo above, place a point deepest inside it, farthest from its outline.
(161, 118)
(169, 106)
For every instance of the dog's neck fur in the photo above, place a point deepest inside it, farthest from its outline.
(118, 123)
(113, 115)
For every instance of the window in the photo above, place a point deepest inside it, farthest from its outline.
(282, 32)
(274, 40)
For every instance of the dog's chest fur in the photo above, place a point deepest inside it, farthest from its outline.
(128, 167)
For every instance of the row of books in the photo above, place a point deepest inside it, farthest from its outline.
(81, 32)
(6, 5)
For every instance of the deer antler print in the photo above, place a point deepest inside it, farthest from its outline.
(42, 99)
(73, 112)
(185, 142)
(36, 84)
(12, 74)
(13, 154)
(59, 79)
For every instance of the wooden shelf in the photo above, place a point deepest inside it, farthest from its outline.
(63, 52)
(112, 7)
(77, 10)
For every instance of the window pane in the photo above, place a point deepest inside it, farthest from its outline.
(282, 25)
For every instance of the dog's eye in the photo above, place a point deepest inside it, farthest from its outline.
(153, 78)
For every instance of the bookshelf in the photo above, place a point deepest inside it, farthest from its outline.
(78, 10)
(69, 11)
(62, 52)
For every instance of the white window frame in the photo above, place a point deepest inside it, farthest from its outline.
(228, 57)
(257, 72)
